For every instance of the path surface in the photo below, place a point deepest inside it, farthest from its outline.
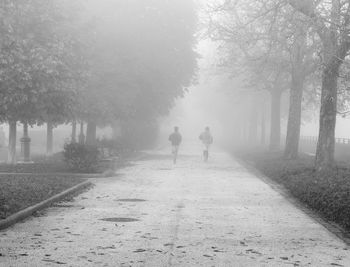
(195, 214)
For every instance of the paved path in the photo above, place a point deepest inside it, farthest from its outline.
(195, 214)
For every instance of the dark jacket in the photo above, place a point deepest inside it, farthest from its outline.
(175, 138)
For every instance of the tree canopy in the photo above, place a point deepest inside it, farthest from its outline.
(93, 61)
(36, 54)
(307, 40)
(143, 58)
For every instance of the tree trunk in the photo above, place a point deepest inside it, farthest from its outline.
(275, 132)
(49, 139)
(334, 54)
(12, 142)
(74, 132)
(263, 126)
(328, 115)
(236, 132)
(253, 122)
(336, 47)
(296, 94)
(245, 132)
(81, 134)
(294, 118)
(25, 144)
(91, 133)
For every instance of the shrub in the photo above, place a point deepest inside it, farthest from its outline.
(113, 147)
(81, 157)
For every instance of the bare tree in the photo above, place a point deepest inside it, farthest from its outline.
(331, 20)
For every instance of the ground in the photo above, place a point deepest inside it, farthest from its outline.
(191, 214)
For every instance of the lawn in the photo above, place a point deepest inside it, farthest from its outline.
(23, 185)
(52, 164)
(328, 193)
(18, 192)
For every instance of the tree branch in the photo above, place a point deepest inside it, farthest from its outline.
(308, 8)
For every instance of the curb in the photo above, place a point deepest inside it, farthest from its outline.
(14, 218)
(331, 227)
(79, 175)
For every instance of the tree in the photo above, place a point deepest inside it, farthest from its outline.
(331, 21)
(262, 59)
(275, 26)
(59, 65)
(141, 64)
(39, 70)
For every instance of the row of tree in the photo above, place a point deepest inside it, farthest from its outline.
(297, 45)
(65, 61)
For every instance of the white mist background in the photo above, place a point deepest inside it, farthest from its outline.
(209, 103)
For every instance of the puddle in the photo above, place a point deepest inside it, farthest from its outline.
(119, 220)
(131, 200)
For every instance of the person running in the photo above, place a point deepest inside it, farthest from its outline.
(175, 138)
(207, 140)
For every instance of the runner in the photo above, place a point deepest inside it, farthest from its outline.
(207, 140)
(175, 138)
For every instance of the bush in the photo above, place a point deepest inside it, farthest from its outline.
(112, 147)
(81, 157)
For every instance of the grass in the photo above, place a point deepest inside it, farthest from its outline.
(18, 192)
(29, 184)
(24, 185)
(328, 193)
(342, 151)
(52, 164)
(36, 167)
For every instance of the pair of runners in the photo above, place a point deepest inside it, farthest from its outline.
(175, 138)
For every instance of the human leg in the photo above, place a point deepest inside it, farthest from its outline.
(206, 152)
(175, 152)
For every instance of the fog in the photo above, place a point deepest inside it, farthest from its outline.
(220, 101)
(139, 73)
(213, 101)
(205, 104)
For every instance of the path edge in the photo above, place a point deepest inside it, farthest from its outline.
(332, 227)
(23, 214)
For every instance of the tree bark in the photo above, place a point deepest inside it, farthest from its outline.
(336, 46)
(91, 133)
(25, 144)
(275, 131)
(328, 115)
(81, 134)
(263, 126)
(236, 133)
(74, 132)
(296, 94)
(294, 118)
(245, 132)
(49, 139)
(12, 142)
(253, 122)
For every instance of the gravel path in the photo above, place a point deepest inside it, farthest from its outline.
(191, 214)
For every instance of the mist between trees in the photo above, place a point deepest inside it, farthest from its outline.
(124, 63)
(95, 62)
(298, 48)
